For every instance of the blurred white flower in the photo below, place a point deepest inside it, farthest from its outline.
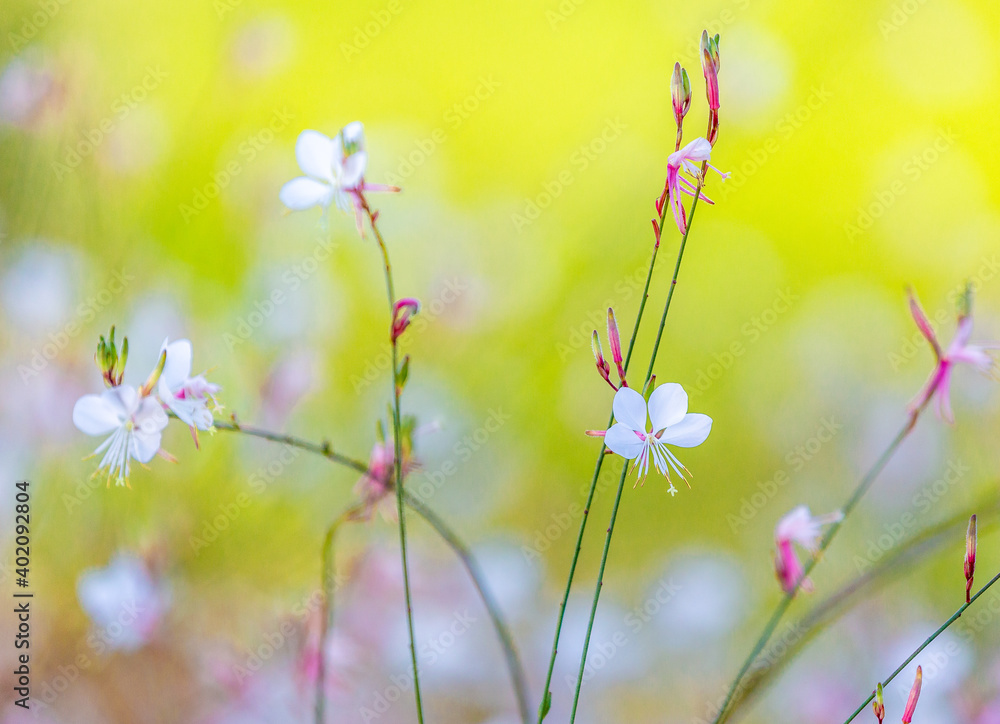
(334, 171)
(186, 396)
(124, 602)
(135, 424)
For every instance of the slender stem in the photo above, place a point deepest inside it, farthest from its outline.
(514, 665)
(863, 485)
(624, 474)
(398, 453)
(546, 697)
(941, 629)
(326, 623)
(323, 449)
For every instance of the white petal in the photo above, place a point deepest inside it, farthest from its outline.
(630, 408)
(317, 155)
(302, 192)
(98, 414)
(689, 432)
(353, 136)
(177, 368)
(353, 170)
(623, 441)
(150, 418)
(667, 405)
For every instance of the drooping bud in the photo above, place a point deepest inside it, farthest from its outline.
(911, 703)
(970, 558)
(402, 311)
(680, 93)
(710, 68)
(616, 345)
(878, 704)
(602, 364)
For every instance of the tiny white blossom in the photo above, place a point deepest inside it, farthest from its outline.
(135, 425)
(671, 424)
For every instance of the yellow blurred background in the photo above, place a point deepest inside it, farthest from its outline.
(143, 146)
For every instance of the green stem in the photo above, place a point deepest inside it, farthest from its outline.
(323, 449)
(326, 623)
(503, 632)
(621, 479)
(941, 629)
(863, 485)
(514, 665)
(547, 695)
(398, 453)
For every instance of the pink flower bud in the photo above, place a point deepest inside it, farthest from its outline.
(911, 703)
(616, 345)
(710, 68)
(878, 704)
(970, 558)
(602, 364)
(680, 92)
(402, 311)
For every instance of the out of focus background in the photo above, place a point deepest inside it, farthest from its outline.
(143, 147)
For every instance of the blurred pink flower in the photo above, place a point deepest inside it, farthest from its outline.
(911, 703)
(959, 352)
(334, 171)
(798, 526)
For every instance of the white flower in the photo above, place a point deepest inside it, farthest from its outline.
(123, 601)
(334, 171)
(186, 396)
(135, 424)
(671, 424)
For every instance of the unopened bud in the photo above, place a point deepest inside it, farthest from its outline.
(648, 388)
(108, 362)
(710, 68)
(154, 376)
(878, 704)
(970, 558)
(911, 703)
(616, 345)
(402, 311)
(602, 364)
(680, 92)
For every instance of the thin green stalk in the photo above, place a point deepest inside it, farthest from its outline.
(621, 480)
(323, 449)
(863, 485)
(514, 665)
(398, 468)
(547, 694)
(326, 622)
(941, 629)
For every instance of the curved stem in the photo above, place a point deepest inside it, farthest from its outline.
(863, 485)
(941, 629)
(468, 559)
(547, 694)
(323, 448)
(514, 665)
(326, 622)
(398, 452)
(621, 479)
